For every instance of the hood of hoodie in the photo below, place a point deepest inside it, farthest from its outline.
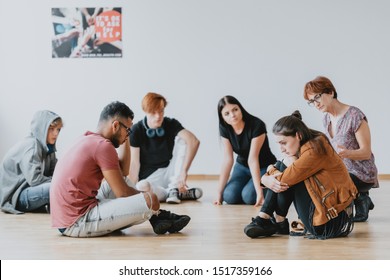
(40, 124)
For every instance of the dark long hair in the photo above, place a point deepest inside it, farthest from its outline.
(293, 124)
(228, 99)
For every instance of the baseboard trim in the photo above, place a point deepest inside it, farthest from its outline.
(384, 176)
(203, 177)
(215, 177)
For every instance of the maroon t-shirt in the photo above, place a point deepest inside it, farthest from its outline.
(77, 178)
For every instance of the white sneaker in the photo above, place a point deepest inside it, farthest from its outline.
(173, 196)
(191, 194)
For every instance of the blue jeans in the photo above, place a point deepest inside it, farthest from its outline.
(33, 198)
(240, 188)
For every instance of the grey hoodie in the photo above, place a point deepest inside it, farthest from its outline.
(27, 163)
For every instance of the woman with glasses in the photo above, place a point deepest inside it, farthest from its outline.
(246, 136)
(347, 128)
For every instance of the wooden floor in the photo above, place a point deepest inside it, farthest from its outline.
(214, 233)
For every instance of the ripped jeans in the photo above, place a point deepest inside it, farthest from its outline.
(109, 215)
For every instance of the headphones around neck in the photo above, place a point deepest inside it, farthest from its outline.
(153, 132)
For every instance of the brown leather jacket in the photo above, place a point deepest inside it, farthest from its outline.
(326, 179)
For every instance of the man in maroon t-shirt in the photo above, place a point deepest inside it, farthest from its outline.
(75, 208)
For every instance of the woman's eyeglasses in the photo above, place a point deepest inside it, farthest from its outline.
(316, 99)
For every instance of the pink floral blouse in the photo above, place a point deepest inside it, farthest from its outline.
(346, 128)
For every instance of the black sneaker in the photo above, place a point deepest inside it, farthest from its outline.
(178, 221)
(160, 225)
(260, 227)
(283, 227)
(191, 194)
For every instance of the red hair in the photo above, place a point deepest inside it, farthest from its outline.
(319, 85)
(153, 102)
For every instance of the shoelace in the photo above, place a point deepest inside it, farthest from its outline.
(188, 194)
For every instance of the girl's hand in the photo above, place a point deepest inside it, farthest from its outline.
(219, 200)
(259, 200)
(272, 183)
(342, 151)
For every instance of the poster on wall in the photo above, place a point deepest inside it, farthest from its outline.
(86, 32)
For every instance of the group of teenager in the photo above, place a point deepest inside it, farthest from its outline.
(117, 176)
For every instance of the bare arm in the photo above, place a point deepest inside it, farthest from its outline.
(118, 185)
(192, 144)
(85, 12)
(82, 41)
(63, 37)
(227, 164)
(95, 12)
(363, 137)
(135, 164)
(117, 44)
(124, 157)
(90, 18)
(254, 166)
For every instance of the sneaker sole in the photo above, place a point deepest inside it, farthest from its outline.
(173, 201)
(299, 233)
(254, 232)
(283, 232)
(179, 224)
(162, 227)
(359, 219)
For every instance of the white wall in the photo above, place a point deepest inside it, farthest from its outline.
(194, 52)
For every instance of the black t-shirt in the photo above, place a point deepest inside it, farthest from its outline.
(241, 144)
(155, 152)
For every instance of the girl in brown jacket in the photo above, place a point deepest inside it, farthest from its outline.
(314, 177)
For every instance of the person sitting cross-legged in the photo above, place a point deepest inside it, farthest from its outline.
(76, 208)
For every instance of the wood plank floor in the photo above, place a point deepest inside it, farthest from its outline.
(214, 233)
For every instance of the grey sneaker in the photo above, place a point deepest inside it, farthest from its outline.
(173, 196)
(191, 194)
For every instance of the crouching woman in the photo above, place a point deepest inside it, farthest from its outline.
(317, 182)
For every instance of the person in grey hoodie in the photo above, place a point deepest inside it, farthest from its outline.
(27, 168)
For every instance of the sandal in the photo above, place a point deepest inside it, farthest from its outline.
(297, 229)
